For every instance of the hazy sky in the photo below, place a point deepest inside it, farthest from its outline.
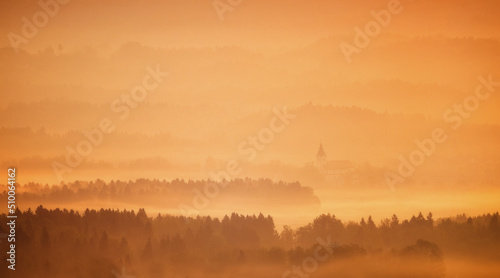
(176, 23)
(215, 73)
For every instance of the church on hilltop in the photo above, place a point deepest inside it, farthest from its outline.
(332, 169)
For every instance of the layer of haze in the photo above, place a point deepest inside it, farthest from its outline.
(227, 78)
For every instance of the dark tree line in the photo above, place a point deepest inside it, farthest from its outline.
(53, 243)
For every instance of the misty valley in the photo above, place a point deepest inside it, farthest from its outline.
(249, 139)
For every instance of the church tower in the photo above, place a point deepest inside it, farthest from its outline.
(321, 158)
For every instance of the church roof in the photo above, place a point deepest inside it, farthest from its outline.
(321, 152)
(338, 165)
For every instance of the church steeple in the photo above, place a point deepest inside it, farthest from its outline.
(321, 158)
(321, 152)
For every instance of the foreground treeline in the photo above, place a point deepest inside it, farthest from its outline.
(62, 243)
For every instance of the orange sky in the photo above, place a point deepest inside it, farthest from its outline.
(80, 63)
(107, 24)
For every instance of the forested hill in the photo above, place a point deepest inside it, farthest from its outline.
(192, 197)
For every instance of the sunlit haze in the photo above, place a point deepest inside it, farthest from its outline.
(233, 138)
